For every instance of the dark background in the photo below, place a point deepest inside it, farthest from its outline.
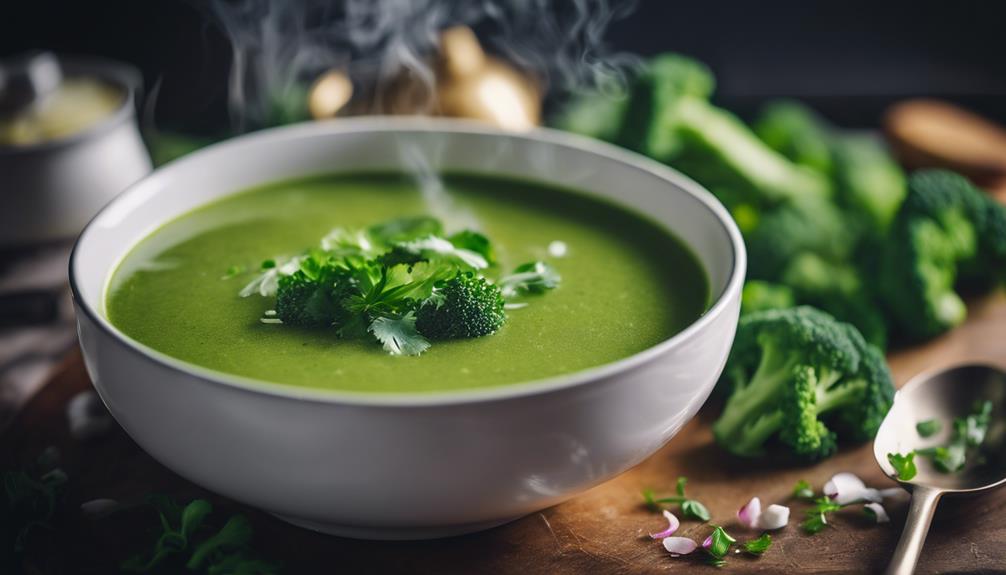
(848, 59)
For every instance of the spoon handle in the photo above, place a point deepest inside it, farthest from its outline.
(920, 515)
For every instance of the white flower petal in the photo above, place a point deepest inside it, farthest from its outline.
(672, 526)
(774, 517)
(748, 515)
(878, 512)
(891, 492)
(679, 545)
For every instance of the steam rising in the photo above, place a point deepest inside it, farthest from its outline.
(280, 46)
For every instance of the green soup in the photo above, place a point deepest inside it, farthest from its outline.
(627, 284)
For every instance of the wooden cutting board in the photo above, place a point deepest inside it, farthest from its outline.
(601, 531)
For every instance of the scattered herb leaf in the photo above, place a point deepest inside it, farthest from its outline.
(929, 427)
(759, 545)
(803, 490)
(904, 465)
(695, 510)
(817, 516)
(682, 481)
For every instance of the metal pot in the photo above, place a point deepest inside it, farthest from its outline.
(49, 190)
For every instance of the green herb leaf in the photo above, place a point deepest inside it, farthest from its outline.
(474, 241)
(682, 482)
(404, 230)
(193, 516)
(758, 546)
(817, 516)
(948, 459)
(803, 490)
(721, 542)
(904, 465)
(695, 510)
(399, 335)
(929, 427)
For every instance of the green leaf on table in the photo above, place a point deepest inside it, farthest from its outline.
(682, 482)
(759, 545)
(694, 510)
(817, 516)
(803, 490)
(720, 542)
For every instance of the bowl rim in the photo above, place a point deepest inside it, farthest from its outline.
(428, 398)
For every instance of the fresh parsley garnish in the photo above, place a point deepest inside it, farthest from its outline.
(28, 509)
(758, 546)
(904, 465)
(401, 282)
(817, 516)
(803, 490)
(690, 508)
(929, 427)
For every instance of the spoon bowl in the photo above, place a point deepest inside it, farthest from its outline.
(942, 395)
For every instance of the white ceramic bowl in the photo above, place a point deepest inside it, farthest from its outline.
(406, 465)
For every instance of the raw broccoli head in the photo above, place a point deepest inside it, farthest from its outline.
(869, 182)
(761, 295)
(804, 379)
(312, 301)
(797, 132)
(808, 225)
(466, 306)
(837, 288)
(946, 233)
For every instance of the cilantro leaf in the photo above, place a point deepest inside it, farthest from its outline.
(929, 427)
(438, 249)
(803, 490)
(758, 546)
(399, 335)
(236, 533)
(904, 465)
(682, 481)
(475, 242)
(690, 508)
(404, 230)
(948, 459)
(817, 516)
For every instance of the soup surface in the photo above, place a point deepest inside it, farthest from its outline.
(627, 285)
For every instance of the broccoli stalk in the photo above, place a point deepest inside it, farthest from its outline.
(669, 117)
(793, 372)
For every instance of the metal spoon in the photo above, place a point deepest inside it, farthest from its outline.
(942, 395)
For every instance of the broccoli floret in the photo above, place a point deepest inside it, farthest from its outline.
(947, 233)
(761, 295)
(669, 117)
(312, 301)
(466, 306)
(791, 374)
(797, 132)
(869, 182)
(837, 288)
(808, 225)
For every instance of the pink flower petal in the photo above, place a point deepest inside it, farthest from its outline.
(878, 511)
(748, 515)
(672, 526)
(678, 546)
(774, 517)
(845, 488)
(708, 542)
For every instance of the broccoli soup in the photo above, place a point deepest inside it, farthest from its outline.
(344, 282)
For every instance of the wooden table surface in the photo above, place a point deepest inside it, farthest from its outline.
(601, 531)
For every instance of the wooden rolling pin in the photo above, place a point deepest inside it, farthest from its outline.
(933, 133)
